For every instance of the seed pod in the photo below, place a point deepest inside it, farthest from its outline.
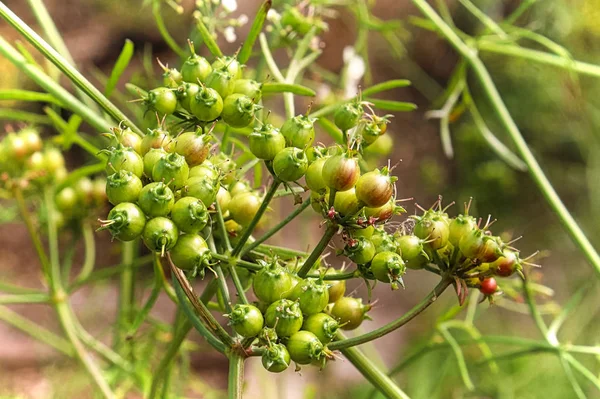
(246, 320)
(207, 105)
(238, 110)
(193, 146)
(266, 142)
(172, 77)
(299, 131)
(243, 207)
(322, 325)
(432, 228)
(162, 100)
(477, 245)
(160, 234)
(410, 246)
(370, 132)
(375, 188)
(382, 147)
(185, 93)
(190, 252)
(156, 199)
(55, 161)
(66, 200)
(388, 267)
(151, 158)
(123, 186)
(124, 158)
(195, 68)
(221, 81)
(276, 358)
(272, 283)
(125, 222)
(156, 138)
(285, 316)
(230, 64)
(337, 288)
(318, 202)
(341, 172)
(347, 115)
(190, 215)
(349, 312)
(366, 232)
(305, 348)
(172, 169)
(385, 211)
(127, 138)
(459, 226)
(248, 87)
(314, 176)
(360, 250)
(206, 170)
(202, 188)
(223, 198)
(488, 286)
(31, 139)
(238, 187)
(507, 264)
(226, 166)
(290, 164)
(266, 336)
(417, 263)
(346, 203)
(312, 295)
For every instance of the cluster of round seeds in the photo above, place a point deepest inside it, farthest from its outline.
(203, 92)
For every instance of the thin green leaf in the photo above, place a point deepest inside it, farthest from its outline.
(10, 114)
(331, 130)
(462, 365)
(422, 23)
(135, 90)
(572, 379)
(162, 28)
(255, 30)
(120, 66)
(389, 105)
(385, 86)
(569, 307)
(208, 38)
(26, 95)
(274, 87)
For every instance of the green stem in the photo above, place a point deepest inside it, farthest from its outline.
(263, 207)
(236, 376)
(71, 72)
(162, 28)
(54, 37)
(276, 228)
(63, 309)
(24, 298)
(36, 331)
(539, 56)
(14, 289)
(167, 358)
(318, 251)
(394, 325)
(126, 293)
(32, 230)
(90, 252)
(109, 272)
(207, 318)
(494, 97)
(45, 82)
(373, 374)
(283, 252)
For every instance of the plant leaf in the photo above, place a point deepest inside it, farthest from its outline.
(255, 30)
(274, 87)
(389, 85)
(120, 66)
(390, 105)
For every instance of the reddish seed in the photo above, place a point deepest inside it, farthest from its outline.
(488, 286)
